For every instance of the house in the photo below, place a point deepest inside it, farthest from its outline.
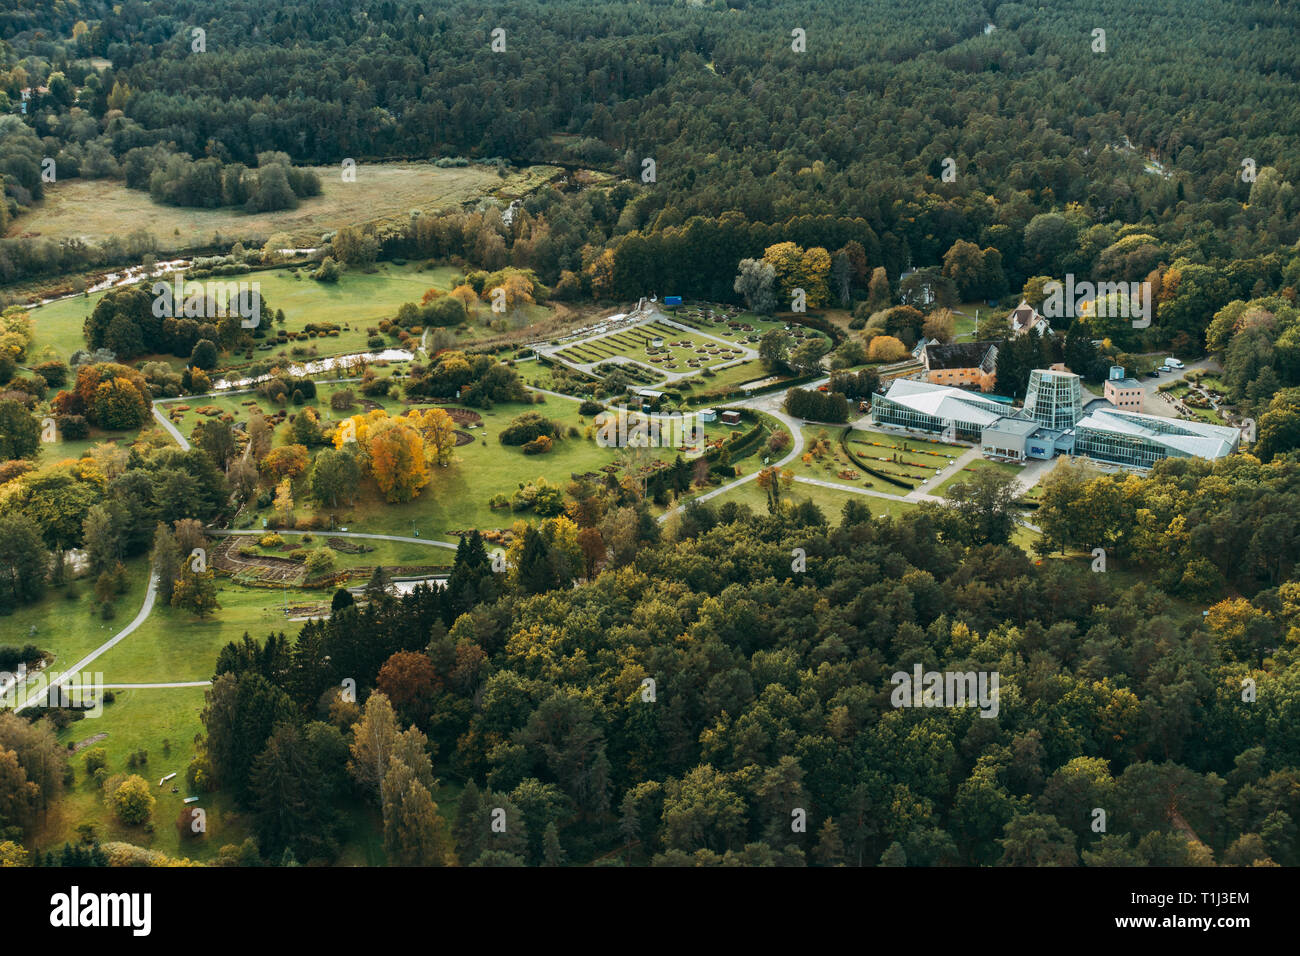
(1123, 392)
(1025, 318)
(963, 364)
(707, 415)
(730, 418)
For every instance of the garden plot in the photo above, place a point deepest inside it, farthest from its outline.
(660, 348)
(734, 325)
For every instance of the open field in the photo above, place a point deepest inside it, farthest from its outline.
(184, 412)
(457, 497)
(66, 620)
(93, 209)
(355, 303)
(174, 645)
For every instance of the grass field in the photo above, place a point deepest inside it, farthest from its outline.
(66, 620)
(143, 720)
(457, 497)
(93, 209)
(829, 500)
(356, 303)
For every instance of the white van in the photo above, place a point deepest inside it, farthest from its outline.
(1173, 362)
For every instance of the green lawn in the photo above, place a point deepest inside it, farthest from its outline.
(979, 464)
(239, 405)
(457, 497)
(830, 501)
(162, 722)
(174, 645)
(67, 622)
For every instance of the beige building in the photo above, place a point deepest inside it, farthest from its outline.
(1123, 392)
(961, 364)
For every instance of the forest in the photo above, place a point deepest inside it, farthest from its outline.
(534, 696)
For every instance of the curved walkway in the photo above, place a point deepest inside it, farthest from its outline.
(76, 669)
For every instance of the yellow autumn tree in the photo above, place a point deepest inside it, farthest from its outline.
(466, 294)
(601, 273)
(395, 450)
(799, 268)
(439, 434)
(284, 502)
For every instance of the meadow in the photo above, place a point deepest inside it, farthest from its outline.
(93, 209)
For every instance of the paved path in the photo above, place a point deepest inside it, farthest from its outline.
(838, 487)
(76, 669)
(962, 460)
(165, 422)
(343, 534)
(795, 451)
(186, 683)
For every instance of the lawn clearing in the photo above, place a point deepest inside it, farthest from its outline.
(356, 303)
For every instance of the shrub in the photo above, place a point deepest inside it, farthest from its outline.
(538, 446)
(131, 800)
(96, 757)
(526, 428)
(72, 427)
(271, 541)
(590, 408)
(320, 562)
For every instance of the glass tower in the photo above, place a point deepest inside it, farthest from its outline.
(1054, 399)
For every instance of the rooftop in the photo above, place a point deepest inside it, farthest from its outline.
(957, 354)
(1188, 437)
(1024, 427)
(945, 402)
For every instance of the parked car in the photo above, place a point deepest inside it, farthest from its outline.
(1173, 363)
